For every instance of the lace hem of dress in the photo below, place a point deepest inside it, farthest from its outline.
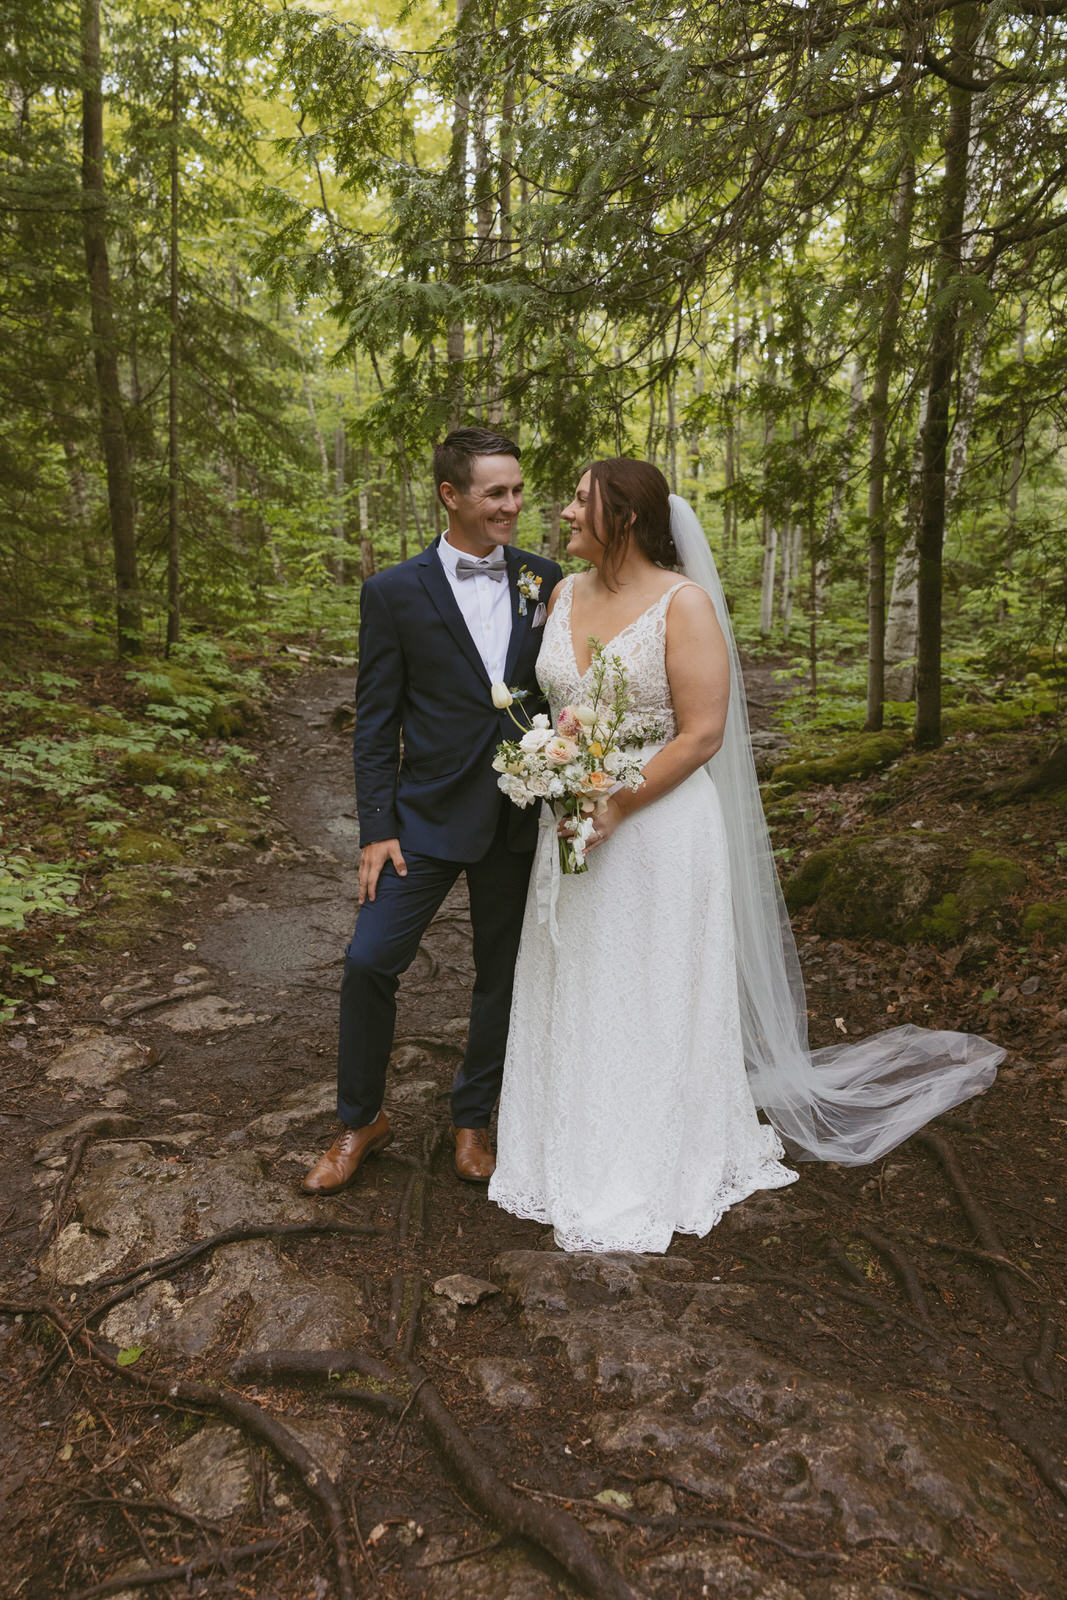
(569, 1235)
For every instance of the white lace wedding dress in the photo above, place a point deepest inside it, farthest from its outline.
(625, 1113)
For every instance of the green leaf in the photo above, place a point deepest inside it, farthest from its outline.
(127, 1357)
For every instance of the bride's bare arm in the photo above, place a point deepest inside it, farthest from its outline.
(698, 669)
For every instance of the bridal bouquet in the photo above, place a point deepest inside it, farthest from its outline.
(577, 765)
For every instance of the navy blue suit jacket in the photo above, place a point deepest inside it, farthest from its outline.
(426, 726)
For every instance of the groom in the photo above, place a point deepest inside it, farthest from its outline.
(436, 633)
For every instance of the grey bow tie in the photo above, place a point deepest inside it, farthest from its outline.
(466, 568)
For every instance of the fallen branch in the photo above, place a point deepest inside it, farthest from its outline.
(186, 992)
(178, 1570)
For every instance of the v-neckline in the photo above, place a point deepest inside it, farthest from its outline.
(607, 645)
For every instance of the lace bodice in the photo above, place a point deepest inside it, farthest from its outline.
(640, 647)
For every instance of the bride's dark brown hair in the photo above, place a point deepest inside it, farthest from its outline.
(631, 500)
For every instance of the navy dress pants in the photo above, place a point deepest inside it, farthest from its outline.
(387, 937)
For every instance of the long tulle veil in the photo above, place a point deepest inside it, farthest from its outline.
(848, 1102)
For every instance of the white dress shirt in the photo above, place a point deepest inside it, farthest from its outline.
(485, 605)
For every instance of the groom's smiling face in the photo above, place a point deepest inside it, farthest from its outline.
(484, 515)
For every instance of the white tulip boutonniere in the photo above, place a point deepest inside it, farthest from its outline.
(529, 587)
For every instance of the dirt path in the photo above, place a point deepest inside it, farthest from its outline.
(839, 1394)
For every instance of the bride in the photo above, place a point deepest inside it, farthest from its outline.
(658, 999)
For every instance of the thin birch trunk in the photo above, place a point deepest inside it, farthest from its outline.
(173, 389)
(461, 107)
(770, 528)
(105, 338)
(337, 560)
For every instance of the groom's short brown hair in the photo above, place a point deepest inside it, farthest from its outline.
(453, 457)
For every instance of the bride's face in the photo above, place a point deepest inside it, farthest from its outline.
(579, 516)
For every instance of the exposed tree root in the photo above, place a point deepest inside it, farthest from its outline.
(167, 1265)
(902, 1265)
(179, 1570)
(1038, 1366)
(1035, 1365)
(248, 1416)
(562, 1536)
(968, 1252)
(980, 1221)
(741, 1530)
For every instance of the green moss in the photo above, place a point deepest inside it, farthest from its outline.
(805, 886)
(942, 925)
(988, 883)
(856, 757)
(984, 719)
(154, 766)
(209, 707)
(1046, 921)
(71, 715)
(884, 887)
(914, 767)
(134, 846)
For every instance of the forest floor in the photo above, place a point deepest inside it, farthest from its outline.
(851, 1390)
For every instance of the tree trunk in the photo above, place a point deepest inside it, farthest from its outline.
(105, 340)
(672, 424)
(366, 540)
(898, 243)
(770, 529)
(337, 560)
(461, 109)
(944, 326)
(402, 518)
(1018, 457)
(495, 416)
(173, 393)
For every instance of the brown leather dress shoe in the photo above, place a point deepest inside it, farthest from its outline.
(474, 1155)
(336, 1169)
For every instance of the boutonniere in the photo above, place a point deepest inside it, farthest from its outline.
(529, 587)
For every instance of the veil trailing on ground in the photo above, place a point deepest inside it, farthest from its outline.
(848, 1102)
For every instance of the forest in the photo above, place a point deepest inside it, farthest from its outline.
(808, 259)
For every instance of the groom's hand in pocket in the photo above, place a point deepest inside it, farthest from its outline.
(373, 858)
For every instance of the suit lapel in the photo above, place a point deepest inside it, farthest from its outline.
(518, 624)
(437, 586)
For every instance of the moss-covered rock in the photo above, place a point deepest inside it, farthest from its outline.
(155, 766)
(908, 887)
(134, 846)
(209, 708)
(856, 757)
(988, 884)
(944, 924)
(882, 887)
(803, 888)
(1047, 921)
